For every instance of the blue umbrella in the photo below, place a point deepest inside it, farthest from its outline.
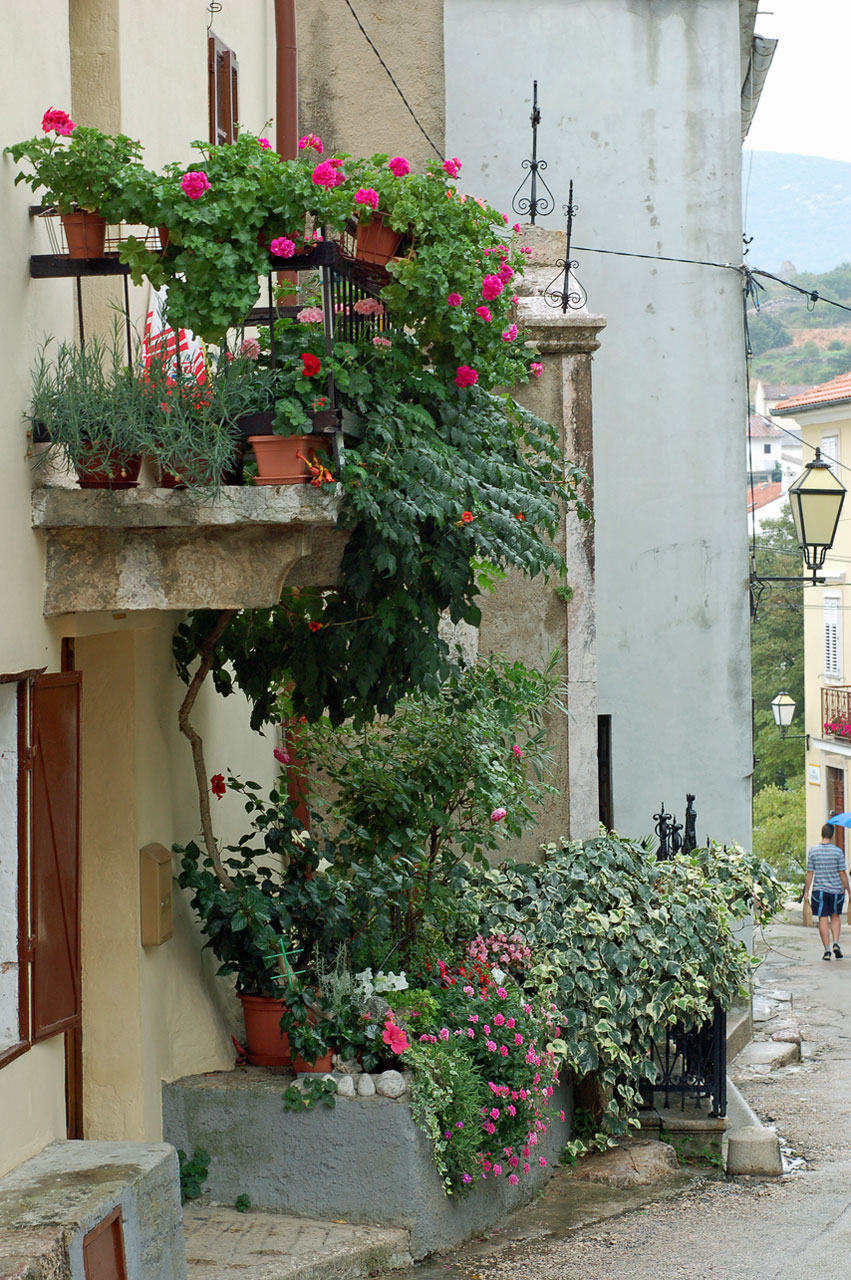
(840, 820)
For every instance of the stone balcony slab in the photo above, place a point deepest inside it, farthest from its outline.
(122, 550)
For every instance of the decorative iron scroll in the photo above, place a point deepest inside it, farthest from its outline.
(533, 204)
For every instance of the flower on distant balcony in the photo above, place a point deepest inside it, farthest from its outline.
(194, 183)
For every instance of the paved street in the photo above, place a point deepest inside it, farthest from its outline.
(709, 1228)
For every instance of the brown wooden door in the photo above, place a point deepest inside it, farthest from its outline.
(55, 839)
(836, 801)
(103, 1250)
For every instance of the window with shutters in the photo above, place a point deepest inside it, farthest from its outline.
(222, 91)
(832, 626)
(830, 452)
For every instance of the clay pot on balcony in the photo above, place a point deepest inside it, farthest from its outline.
(289, 459)
(85, 234)
(99, 467)
(267, 1044)
(377, 242)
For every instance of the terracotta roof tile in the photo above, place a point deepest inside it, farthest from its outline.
(763, 429)
(762, 494)
(832, 392)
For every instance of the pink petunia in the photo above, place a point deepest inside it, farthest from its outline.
(398, 166)
(194, 183)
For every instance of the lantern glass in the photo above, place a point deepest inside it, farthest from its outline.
(783, 709)
(816, 499)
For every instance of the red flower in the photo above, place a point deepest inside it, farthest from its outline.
(467, 517)
(520, 516)
(217, 785)
(312, 365)
(315, 626)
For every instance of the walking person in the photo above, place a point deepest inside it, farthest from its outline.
(828, 879)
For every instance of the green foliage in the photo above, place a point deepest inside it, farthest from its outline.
(242, 1203)
(783, 313)
(747, 881)
(779, 830)
(627, 944)
(85, 169)
(777, 654)
(447, 1091)
(310, 1091)
(410, 556)
(194, 1170)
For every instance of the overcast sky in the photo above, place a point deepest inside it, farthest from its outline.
(804, 104)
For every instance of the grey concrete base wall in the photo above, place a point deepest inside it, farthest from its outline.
(364, 1160)
(49, 1204)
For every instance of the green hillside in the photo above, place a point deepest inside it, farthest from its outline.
(795, 341)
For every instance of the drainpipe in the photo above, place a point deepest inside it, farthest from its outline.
(286, 80)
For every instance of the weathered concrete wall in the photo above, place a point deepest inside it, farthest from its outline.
(640, 106)
(49, 1204)
(364, 1160)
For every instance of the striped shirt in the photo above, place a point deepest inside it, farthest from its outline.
(826, 861)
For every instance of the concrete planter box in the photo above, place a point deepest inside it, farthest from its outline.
(365, 1160)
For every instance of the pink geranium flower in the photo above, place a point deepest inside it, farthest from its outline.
(369, 307)
(194, 183)
(536, 369)
(492, 287)
(327, 174)
(510, 333)
(465, 376)
(264, 143)
(452, 167)
(484, 312)
(379, 341)
(310, 315)
(57, 121)
(282, 247)
(454, 300)
(368, 196)
(313, 141)
(250, 349)
(399, 166)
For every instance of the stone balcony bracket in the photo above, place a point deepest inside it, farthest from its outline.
(131, 549)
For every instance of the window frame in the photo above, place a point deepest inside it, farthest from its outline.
(222, 91)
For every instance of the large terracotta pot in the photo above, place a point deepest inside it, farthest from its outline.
(286, 459)
(267, 1044)
(85, 234)
(376, 241)
(102, 468)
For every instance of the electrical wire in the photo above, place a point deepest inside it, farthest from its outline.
(393, 81)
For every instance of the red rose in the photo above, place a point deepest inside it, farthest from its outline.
(312, 365)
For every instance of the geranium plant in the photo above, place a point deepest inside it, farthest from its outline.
(77, 166)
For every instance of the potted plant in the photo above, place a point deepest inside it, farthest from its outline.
(81, 172)
(87, 404)
(189, 427)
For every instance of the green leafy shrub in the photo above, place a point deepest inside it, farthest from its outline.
(779, 831)
(194, 1170)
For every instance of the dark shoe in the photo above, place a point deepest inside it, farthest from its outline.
(836, 951)
(826, 955)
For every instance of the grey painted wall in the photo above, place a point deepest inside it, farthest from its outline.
(640, 103)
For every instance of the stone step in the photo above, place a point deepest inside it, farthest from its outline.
(224, 1244)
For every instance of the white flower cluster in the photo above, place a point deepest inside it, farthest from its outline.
(367, 983)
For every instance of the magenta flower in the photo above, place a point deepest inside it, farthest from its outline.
(281, 756)
(494, 1113)
(368, 196)
(250, 349)
(513, 1179)
(498, 815)
(518, 1039)
(536, 369)
(465, 1177)
(327, 175)
(497, 1170)
(283, 247)
(264, 143)
(394, 1037)
(57, 121)
(466, 377)
(369, 307)
(312, 141)
(194, 183)
(490, 1045)
(452, 167)
(510, 333)
(515, 298)
(516, 227)
(379, 341)
(484, 312)
(310, 315)
(443, 1033)
(503, 1049)
(502, 993)
(517, 751)
(398, 166)
(492, 287)
(542, 1162)
(505, 273)
(454, 300)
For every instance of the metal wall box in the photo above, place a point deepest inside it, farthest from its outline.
(155, 895)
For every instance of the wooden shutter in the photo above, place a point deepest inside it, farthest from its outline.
(222, 91)
(832, 626)
(55, 834)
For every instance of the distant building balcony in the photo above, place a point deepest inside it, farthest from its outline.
(836, 712)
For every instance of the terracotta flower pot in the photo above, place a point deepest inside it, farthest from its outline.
(376, 241)
(287, 459)
(85, 234)
(102, 468)
(267, 1044)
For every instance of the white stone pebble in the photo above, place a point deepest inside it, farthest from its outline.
(366, 1086)
(391, 1084)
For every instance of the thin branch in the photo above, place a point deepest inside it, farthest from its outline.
(207, 653)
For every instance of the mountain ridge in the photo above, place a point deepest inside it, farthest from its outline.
(797, 209)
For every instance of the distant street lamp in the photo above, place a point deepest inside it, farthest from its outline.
(783, 709)
(816, 499)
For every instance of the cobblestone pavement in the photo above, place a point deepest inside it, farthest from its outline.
(710, 1228)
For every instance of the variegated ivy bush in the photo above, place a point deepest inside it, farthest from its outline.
(627, 944)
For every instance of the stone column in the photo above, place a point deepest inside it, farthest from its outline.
(528, 619)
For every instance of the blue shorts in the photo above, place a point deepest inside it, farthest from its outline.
(826, 903)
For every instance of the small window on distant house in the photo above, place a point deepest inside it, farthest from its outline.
(222, 91)
(832, 625)
(766, 448)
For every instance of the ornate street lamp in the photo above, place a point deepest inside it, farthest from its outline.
(816, 499)
(783, 709)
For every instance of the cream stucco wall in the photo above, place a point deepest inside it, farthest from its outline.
(155, 1013)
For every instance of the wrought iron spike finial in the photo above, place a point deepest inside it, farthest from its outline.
(533, 204)
(571, 296)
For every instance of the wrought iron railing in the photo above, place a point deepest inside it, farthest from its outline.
(691, 1066)
(836, 711)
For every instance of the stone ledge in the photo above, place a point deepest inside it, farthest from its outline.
(135, 549)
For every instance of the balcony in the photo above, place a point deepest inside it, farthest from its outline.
(836, 712)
